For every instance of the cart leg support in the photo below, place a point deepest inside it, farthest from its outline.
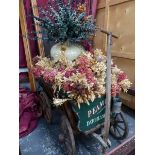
(100, 139)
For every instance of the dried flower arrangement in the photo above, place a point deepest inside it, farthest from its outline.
(61, 22)
(83, 79)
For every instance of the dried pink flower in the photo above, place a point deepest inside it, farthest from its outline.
(70, 72)
(115, 89)
(49, 75)
(83, 61)
(67, 87)
(90, 76)
(121, 76)
(61, 69)
(37, 71)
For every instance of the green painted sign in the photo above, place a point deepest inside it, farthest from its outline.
(90, 115)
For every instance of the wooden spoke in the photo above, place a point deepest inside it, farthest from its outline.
(114, 129)
(116, 116)
(118, 131)
(120, 127)
(120, 121)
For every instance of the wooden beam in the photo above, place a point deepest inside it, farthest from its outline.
(126, 55)
(37, 28)
(106, 32)
(115, 2)
(124, 148)
(102, 4)
(106, 22)
(22, 18)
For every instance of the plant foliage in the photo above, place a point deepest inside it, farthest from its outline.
(61, 22)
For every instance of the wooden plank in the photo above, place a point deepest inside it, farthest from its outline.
(102, 3)
(115, 2)
(128, 100)
(129, 55)
(127, 65)
(131, 91)
(99, 38)
(26, 44)
(37, 28)
(122, 21)
(124, 148)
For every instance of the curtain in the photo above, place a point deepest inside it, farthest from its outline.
(30, 27)
(22, 60)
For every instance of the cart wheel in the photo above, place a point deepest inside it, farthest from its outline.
(67, 136)
(119, 126)
(46, 107)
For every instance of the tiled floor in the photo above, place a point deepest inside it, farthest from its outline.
(44, 139)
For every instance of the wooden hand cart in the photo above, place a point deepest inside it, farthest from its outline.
(104, 114)
(111, 118)
(72, 123)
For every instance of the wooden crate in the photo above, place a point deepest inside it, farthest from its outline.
(118, 16)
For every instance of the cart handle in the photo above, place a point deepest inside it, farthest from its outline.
(107, 32)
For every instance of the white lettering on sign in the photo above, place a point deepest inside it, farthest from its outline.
(94, 120)
(89, 113)
(94, 110)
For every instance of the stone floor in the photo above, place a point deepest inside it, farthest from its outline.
(44, 139)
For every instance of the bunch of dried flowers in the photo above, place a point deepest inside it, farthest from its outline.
(82, 80)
